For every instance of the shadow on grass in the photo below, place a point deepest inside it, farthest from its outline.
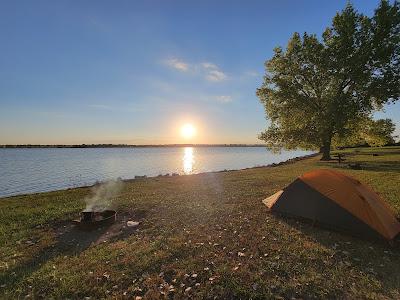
(375, 166)
(70, 240)
(378, 259)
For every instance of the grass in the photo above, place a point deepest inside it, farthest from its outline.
(201, 236)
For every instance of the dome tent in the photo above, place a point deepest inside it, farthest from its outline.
(338, 201)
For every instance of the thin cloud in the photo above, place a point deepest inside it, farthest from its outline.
(215, 75)
(209, 71)
(213, 72)
(208, 65)
(224, 99)
(177, 64)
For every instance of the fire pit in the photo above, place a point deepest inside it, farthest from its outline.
(94, 219)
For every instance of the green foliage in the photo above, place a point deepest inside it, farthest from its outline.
(379, 133)
(367, 132)
(320, 88)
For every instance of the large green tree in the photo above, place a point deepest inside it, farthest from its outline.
(319, 88)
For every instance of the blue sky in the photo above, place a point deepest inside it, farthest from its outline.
(135, 71)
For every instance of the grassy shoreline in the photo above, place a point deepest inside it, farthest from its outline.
(288, 161)
(202, 236)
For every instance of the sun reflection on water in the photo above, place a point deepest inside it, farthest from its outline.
(188, 160)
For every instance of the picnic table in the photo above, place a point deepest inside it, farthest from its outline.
(340, 157)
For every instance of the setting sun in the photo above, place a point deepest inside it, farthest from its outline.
(188, 131)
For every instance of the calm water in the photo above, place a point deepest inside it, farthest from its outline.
(25, 171)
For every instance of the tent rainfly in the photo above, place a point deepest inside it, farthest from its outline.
(337, 201)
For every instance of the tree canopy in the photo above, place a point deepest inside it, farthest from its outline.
(319, 89)
(368, 132)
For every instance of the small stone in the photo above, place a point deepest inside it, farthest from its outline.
(241, 254)
(188, 289)
(132, 224)
(194, 275)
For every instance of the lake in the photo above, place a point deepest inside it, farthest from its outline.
(24, 171)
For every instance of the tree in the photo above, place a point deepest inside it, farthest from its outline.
(317, 89)
(368, 132)
(379, 132)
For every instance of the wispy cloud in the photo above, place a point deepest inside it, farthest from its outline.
(215, 75)
(224, 99)
(209, 71)
(177, 64)
(208, 65)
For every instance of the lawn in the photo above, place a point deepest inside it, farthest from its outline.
(200, 236)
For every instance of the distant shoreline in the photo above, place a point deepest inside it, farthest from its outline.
(129, 146)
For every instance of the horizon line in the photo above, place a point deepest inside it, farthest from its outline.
(110, 145)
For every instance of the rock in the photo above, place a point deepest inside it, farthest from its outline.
(132, 223)
(194, 275)
(241, 254)
(188, 289)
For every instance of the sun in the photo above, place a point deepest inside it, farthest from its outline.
(188, 131)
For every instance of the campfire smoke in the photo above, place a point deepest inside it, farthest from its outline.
(102, 195)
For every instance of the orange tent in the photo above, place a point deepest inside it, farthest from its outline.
(336, 200)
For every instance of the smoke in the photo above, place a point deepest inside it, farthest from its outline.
(102, 195)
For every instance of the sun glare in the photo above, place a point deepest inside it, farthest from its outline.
(188, 131)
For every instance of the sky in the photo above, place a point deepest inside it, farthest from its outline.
(135, 72)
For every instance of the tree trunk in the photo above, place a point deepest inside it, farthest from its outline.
(326, 150)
